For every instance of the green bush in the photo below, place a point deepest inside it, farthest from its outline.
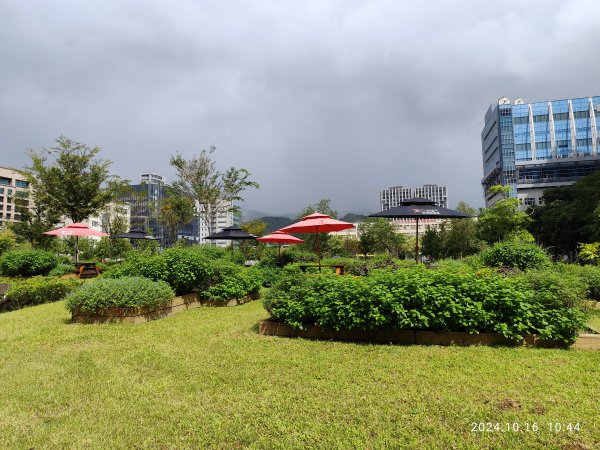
(589, 276)
(230, 281)
(26, 263)
(8, 240)
(440, 300)
(126, 292)
(37, 290)
(62, 269)
(515, 254)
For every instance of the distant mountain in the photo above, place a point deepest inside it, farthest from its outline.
(353, 218)
(275, 222)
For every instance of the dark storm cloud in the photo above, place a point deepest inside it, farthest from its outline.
(317, 99)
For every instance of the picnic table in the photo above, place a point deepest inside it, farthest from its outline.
(339, 268)
(87, 270)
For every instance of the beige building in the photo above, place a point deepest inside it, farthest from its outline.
(13, 185)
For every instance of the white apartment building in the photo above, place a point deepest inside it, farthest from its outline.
(393, 196)
(223, 220)
(13, 184)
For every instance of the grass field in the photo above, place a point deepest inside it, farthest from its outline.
(205, 379)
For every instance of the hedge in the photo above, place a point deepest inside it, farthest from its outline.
(463, 300)
(126, 292)
(37, 290)
(27, 263)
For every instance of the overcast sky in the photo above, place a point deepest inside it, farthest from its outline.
(318, 99)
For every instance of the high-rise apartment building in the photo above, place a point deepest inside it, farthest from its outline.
(392, 196)
(534, 146)
(13, 185)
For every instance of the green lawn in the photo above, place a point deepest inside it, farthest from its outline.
(205, 379)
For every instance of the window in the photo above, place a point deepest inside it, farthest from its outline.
(21, 184)
(520, 120)
(561, 116)
(529, 201)
(581, 114)
(1, 190)
(541, 118)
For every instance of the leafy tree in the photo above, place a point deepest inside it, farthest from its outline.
(215, 192)
(73, 183)
(570, 215)
(8, 240)
(590, 252)
(250, 248)
(378, 234)
(461, 238)
(432, 244)
(35, 220)
(175, 211)
(342, 246)
(498, 221)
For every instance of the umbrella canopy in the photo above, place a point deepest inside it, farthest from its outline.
(134, 234)
(76, 229)
(420, 208)
(231, 234)
(317, 223)
(281, 237)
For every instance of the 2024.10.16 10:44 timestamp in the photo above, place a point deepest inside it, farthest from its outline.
(507, 427)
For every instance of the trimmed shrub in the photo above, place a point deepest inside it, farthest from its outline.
(441, 300)
(37, 290)
(515, 254)
(126, 292)
(27, 263)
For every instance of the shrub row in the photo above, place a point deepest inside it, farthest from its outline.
(441, 300)
(127, 292)
(201, 269)
(37, 290)
(27, 263)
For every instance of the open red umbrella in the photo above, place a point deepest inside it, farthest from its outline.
(281, 237)
(317, 223)
(76, 229)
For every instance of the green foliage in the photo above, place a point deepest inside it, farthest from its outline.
(590, 253)
(8, 240)
(589, 276)
(217, 192)
(250, 248)
(37, 290)
(230, 281)
(75, 184)
(174, 212)
(497, 222)
(441, 300)
(379, 235)
(62, 269)
(127, 292)
(26, 263)
(570, 215)
(111, 248)
(514, 254)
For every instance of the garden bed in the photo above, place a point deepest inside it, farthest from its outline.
(141, 315)
(412, 337)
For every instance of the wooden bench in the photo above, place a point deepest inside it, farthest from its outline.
(87, 270)
(339, 268)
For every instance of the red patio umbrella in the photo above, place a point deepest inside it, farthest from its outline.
(76, 229)
(281, 237)
(317, 223)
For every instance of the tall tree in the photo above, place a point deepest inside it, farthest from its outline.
(175, 211)
(250, 248)
(501, 219)
(461, 239)
(69, 180)
(570, 216)
(378, 234)
(215, 192)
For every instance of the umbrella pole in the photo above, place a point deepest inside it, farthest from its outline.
(318, 251)
(417, 243)
(76, 249)
(280, 249)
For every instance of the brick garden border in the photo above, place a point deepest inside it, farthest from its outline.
(411, 337)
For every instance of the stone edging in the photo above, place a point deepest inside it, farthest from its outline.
(411, 337)
(141, 315)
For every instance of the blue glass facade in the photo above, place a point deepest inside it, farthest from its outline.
(533, 146)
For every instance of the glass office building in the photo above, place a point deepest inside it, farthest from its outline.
(534, 146)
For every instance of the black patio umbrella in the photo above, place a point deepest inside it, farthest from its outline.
(231, 234)
(134, 234)
(420, 208)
